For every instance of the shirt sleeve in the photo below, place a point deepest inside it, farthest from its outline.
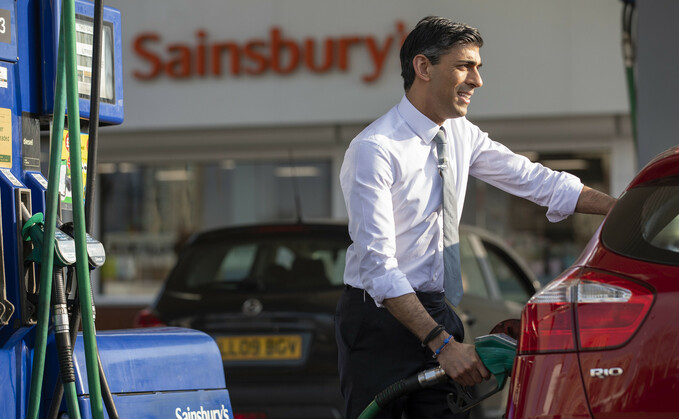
(366, 178)
(495, 164)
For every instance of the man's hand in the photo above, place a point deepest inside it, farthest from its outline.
(460, 361)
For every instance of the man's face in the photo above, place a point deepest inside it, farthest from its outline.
(453, 81)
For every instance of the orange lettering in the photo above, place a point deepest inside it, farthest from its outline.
(180, 66)
(310, 55)
(344, 44)
(278, 54)
(377, 57)
(217, 58)
(250, 51)
(156, 64)
(278, 46)
(200, 53)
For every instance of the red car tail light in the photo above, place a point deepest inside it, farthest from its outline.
(547, 319)
(588, 309)
(146, 318)
(610, 309)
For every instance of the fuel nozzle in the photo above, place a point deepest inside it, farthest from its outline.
(96, 255)
(33, 230)
(497, 352)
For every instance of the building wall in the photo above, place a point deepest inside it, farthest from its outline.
(548, 58)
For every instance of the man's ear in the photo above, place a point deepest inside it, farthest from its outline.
(422, 67)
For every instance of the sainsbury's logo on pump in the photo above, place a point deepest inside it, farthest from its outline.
(277, 54)
(222, 413)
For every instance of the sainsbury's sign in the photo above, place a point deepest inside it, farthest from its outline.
(275, 54)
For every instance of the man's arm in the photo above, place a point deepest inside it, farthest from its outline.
(458, 360)
(592, 201)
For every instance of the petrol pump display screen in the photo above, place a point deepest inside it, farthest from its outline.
(84, 29)
(111, 79)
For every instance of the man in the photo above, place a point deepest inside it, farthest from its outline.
(388, 318)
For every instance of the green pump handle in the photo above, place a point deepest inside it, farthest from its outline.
(64, 246)
(497, 352)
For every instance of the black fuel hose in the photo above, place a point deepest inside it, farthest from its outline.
(402, 387)
(61, 329)
(105, 389)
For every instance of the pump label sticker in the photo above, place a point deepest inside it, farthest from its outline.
(3, 77)
(40, 179)
(5, 134)
(12, 179)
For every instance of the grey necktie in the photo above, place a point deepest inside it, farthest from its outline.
(452, 279)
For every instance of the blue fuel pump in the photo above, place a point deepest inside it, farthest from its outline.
(168, 372)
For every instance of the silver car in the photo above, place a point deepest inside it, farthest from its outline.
(497, 284)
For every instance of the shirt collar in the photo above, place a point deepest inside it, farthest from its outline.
(424, 127)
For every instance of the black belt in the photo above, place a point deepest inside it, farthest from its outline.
(426, 298)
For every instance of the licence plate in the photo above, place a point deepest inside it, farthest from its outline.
(260, 347)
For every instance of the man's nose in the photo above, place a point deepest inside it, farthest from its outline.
(474, 78)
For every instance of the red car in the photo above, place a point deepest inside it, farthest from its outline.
(602, 339)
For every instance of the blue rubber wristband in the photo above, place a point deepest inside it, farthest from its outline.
(445, 342)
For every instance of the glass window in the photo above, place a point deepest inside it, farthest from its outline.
(509, 277)
(149, 210)
(473, 282)
(644, 224)
(237, 263)
(266, 264)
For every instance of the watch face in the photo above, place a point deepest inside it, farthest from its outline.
(84, 41)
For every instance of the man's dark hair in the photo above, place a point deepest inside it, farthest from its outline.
(433, 37)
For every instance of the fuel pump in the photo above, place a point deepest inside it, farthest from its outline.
(42, 63)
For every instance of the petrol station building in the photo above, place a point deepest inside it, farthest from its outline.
(232, 106)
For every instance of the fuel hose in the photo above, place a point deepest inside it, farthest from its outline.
(63, 341)
(82, 265)
(402, 387)
(92, 158)
(52, 201)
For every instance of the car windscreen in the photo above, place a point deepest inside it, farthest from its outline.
(286, 263)
(644, 224)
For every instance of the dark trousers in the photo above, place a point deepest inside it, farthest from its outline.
(376, 350)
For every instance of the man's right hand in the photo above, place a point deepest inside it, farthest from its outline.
(460, 361)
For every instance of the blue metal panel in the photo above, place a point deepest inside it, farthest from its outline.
(28, 45)
(111, 113)
(8, 383)
(8, 38)
(157, 360)
(9, 184)
(213, 404)
(14, 381)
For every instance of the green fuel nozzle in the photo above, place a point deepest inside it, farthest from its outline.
(64, 246)
(497, 352)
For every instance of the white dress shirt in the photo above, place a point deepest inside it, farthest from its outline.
(392, 190)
